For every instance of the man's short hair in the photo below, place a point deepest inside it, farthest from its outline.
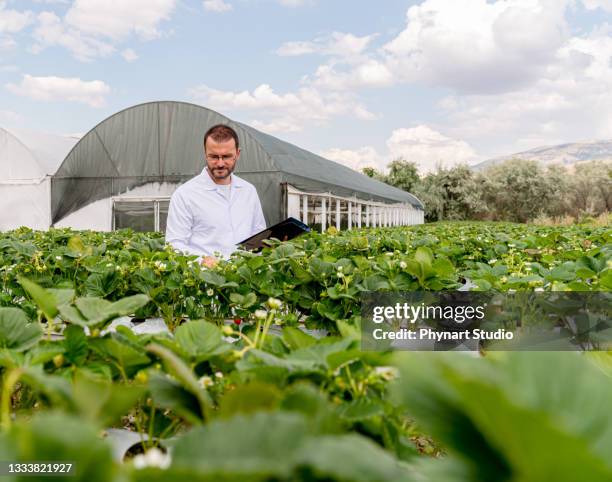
(221, 133)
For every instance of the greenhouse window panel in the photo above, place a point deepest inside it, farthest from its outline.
(140, 214)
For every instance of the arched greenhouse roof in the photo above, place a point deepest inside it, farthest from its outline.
(162, 142)
(29, 156)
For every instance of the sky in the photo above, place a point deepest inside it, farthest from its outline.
(438, 82)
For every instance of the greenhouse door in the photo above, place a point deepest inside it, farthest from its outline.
(140, 214)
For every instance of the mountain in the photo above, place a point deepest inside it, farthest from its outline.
(567, 154)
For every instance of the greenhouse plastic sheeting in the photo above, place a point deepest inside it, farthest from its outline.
(26, 160)
(162, 142)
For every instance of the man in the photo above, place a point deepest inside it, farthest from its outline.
(215, 210)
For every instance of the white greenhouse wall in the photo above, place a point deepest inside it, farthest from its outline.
(25, 204)
(99, 215)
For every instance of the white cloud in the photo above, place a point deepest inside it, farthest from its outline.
(370, 73)
(13, 21)
(284, 112)
(118, 19)
(356, 159)
(93, 28)
(345, 49)
(280, 124)
(293, 3)
(129, 55)
(218, 6)
(52, 88)
(297, 48)
(518, 76)
(338, 44)
(478, 46)
(594, 4)
(423, 145)
(52, 31)
(571, 101)
(429, 148)
(470, 46)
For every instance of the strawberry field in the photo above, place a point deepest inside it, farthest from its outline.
(257, 373)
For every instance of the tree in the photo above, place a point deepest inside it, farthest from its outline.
(590, 188)
(517, 190)
(402, 174)
(452, 193)
(373, 173)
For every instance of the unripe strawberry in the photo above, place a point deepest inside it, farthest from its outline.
(58, 360)
(142, 377)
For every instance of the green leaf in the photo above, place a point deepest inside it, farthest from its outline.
(63, 438)
(62, 296)
(128, 305)
(502, 415)
(75, 344)
(424, 255)
(177, 368)
(42, 353)
(212, 278)
(170, 394)
(16, 331)
(260, 446)
(77, 246)
(70, 314)
(201, 340)
(103, 402)
(249, 398)
(295, 338)
(244, 448)
(93, 308)
(375, 282)
(43, 298)
(57, 389)
(321, 269)
(96, 311)
(443, 268)
(360, 409)
(326, 457)
(312, 402)
(127, 356)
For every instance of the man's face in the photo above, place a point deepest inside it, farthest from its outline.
(221, 159)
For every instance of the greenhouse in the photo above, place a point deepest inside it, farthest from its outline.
(27, 161)
(122, 173)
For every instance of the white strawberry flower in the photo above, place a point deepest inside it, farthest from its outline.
(153, 457)
(206, 382)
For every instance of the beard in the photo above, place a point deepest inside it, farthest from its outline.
(221, 172)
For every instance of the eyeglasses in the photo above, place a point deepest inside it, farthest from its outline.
(224, 157)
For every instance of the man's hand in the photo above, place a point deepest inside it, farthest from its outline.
(209, 261)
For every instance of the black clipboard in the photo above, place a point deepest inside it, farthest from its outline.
(287, 229)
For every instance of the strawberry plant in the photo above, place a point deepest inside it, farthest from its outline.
(236, 389)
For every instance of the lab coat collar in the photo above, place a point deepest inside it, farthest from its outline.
(210, 185)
